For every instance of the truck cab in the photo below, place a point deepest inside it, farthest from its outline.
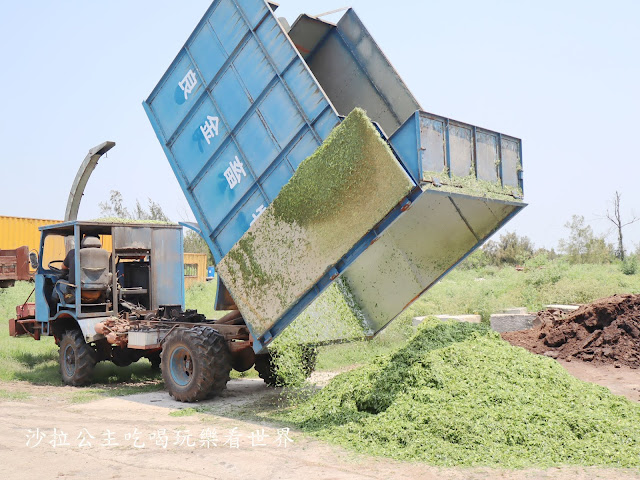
(136, 264)
(120, 270)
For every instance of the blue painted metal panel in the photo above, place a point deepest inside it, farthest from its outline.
(42, 306)
(406, 145)
(427, 143)
(238, 110)
(236, 113)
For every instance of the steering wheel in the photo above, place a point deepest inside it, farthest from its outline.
(56, 270)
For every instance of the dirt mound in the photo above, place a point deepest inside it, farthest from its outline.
(605, 331)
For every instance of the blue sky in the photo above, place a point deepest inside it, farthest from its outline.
(564, 76)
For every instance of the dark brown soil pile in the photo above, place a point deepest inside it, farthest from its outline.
(605, 331)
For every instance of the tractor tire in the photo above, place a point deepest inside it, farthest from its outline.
(267, 371)
(155, 362)
(195, 363)
(309, 359)
(77, 358)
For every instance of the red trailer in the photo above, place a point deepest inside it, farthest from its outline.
(14, 265)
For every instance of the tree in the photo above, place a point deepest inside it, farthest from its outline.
(510, 249)
(194, 243)
(583, 246)
(616, 219)
(550, 254)
(114, 207)
(154, 213)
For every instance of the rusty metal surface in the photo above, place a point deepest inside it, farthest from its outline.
(25, 311)
(14, 264)
(24, 327)
(242, 355)
(16, 328)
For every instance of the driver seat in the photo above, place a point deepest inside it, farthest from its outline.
(94, 268)
(95, 278)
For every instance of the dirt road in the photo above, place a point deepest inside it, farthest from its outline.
(149, 436)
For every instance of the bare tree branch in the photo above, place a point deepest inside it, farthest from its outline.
(616, 219)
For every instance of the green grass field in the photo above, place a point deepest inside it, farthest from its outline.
(486, 290)
(480, 291)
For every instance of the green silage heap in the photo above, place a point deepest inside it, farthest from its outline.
(333, 199)
(471, 185)
(457, 394)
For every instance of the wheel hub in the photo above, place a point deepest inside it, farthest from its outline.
(181, 366)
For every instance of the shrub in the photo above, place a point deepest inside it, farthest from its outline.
(630, 266)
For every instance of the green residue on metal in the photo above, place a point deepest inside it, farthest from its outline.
(458, 395)
(242, 258)
(331, 177)
(131, 220)
(333, 199)
(333, 315)
(470, 185)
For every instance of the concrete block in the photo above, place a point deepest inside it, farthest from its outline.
(460, 318)
(507, 322)
(564, 308)
(515, 310)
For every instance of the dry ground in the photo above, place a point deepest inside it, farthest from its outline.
(141, 416)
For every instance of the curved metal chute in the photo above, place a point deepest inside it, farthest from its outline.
(80, 182)
(82, 177)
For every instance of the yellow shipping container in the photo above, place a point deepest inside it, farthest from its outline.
(195, 268)
(16, 232)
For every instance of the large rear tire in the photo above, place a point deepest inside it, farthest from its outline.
(155, 361)
(266, 365)
(309, 359)
(266, 369)
(77, 358)
(195, 363)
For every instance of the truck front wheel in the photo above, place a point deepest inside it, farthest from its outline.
(195, 363)
(77, 358)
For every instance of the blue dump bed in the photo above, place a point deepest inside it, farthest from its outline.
(377, 213)
(236, 113)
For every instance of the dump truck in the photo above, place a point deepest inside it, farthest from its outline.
(329, 198)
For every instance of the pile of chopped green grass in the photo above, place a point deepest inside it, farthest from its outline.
(457, 394)
(334, 315)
